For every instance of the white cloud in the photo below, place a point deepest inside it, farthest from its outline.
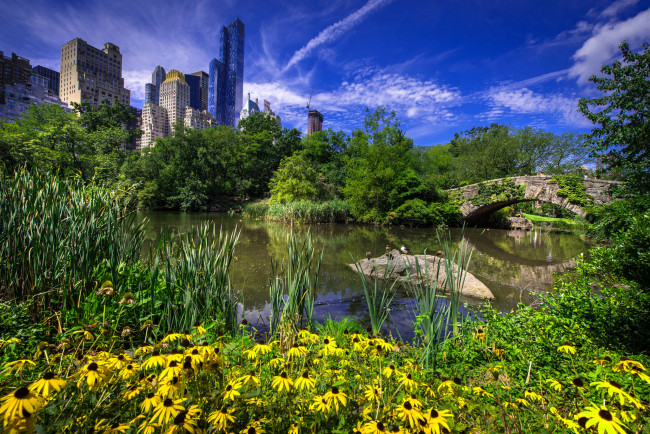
(508, 102)
(335, 30)
(602, 47)
(613, 9)
(135, 80)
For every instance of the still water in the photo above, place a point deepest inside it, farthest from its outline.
(514, 265)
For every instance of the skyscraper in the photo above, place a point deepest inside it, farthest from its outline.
(91, 74)
(51, 75)
(226, 86)
(152, 90)
(314, 122)
(174, 97)
(198, 82)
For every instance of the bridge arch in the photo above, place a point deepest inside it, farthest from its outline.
(477, 201)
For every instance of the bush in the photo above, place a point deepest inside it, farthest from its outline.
(413, 212)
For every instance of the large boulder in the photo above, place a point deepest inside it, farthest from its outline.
(403, 268)
(521, 223)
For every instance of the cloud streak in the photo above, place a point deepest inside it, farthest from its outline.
(335, 30)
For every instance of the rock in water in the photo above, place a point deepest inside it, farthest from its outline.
(404, 267)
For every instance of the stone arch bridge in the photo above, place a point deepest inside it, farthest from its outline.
(478, 201)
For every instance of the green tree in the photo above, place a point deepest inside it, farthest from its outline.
(296, 179)
(379, 156)
(621, 138)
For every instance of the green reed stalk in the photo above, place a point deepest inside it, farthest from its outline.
(380, 296)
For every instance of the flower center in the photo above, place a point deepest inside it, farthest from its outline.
(326, 341)
(305, 375)
(150, 395)
(168, 402)
(433, 414)
(577, 382)
(180, 418)
(391, 366)
(251, 430)
(605, 415)
(283, 375)
(195, 352)
(335, 390)
(120, 357)
(408, 406)
(173, 364)
(21, 393)
(93, 366)
(380, 426)
(615, 384)
(48, 376)
(228, 388)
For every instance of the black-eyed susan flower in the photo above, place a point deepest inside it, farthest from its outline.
(437, 420)
(533, 396)
(374, 427)
(281, 382)
(566, 348)
(249, 380)
(199, 330)
(221, 418)
(24, 423)
(320, 404)
(614, 389)
(305, 382)
(146, 427)
(407, 413)
(173, 369)
(277, 363)
(185, 421)
(167, 410)
(372, 392)
(129, 372)
(18, 366)
(84, 334)
(603, 419)
(48, 383)
(477, 390)
(115, 428)
(408, 382)
(261, 348)
(93, 374)
(640, 374)
(156, 360)
(625, 365)
(336, 397)
(131, 392)
(150, 402)
(231, 391)
(329, 347)
(389, 370)
(172, 337)
(254, 427)
(171, 387)
(297, 351)
(20, 402)
(603, 361)
(479, 335)
(195, 357)
(578, 382)
(555, 384)
(119, 361)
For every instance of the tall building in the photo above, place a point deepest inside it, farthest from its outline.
(314, 122)
(198, 82)
(152, 90)
(174, 97)
(91, 74)
(51, 75)
(16, 98)
(268, 112)
(154, 124)
(250, 107)
(14, 69)
(226, 86)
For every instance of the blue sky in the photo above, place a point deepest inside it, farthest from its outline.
(442, 66)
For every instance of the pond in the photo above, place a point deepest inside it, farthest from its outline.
(514, 265)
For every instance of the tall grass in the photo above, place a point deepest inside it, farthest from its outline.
(55, 233)
(308, 212)
(437, 307)
(190, 278)
(379, 295)
(293, 285)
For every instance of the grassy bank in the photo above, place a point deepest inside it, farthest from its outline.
(556, 222)
(308, 212)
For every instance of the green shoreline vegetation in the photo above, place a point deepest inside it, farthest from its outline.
(95, 337)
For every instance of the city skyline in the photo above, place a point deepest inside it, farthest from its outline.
(443, 69)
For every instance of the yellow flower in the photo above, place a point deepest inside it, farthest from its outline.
(18, 366)
(253, 427)
(555, 385)
(335, 396)
(150, 402)
(297, 351)
(147, 427)
(115, 428)
(261, 348)
(171, 387)
(231, 391)
(626, 365)
(93, 373)
(614, 388)
(86, 334)
(277, 363)
(329, 347)
(173, 369)
(172, 337)
(533, 396)
(480, 334)
(603, 419)
(167, 410)
(185, 421)
(408, 382)
(129, 372)
(282, 381)
(220, 418)
(374, 427)
(390, 370)
(372, 393)
(143, 350)
(47, 384)
(436, 419)
(154, 361)
(22, 402)
(119, 361)
(481, 392)
(566, 348)
(640, 374)
(249, 380)
(408, 413)
(305, 382)
(20, 424)
(321, 404)
(199, 330)
(603, 360)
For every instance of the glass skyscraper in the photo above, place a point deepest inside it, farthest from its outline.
(226, 85)
(152, 90)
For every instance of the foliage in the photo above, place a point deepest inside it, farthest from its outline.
(54, 234)
(296, 180)
(380, 294)
(498, 191)
(308, 212)
(622, 136)
(413, 212)
(297, 279)
(609, 220)
(255, 209)
(573, 188)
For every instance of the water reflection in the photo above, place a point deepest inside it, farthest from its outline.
(513, 264)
